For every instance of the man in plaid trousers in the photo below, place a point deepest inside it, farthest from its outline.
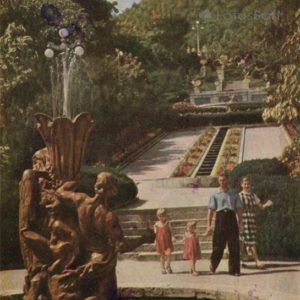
(228, 207)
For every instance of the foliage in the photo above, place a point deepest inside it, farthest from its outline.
(115, 89)
(222, 118)
(291, 157)
(265, 167)
(284, 94)
(122, 101)
(278, 234)
(231, 28)
(187, 107)
(127, 189)
(285, 100)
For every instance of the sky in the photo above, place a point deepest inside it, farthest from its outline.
(123, 4)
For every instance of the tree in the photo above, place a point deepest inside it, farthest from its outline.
(284, 95)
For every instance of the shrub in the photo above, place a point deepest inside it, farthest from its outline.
(291, 157)
(247, 117)
(279, 226)
(127, 189)
(187, 107)
(266, 167)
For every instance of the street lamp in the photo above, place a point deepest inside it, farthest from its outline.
(197, 28)
(198, 39)
(68, 53)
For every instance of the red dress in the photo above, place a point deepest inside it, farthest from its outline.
(163, 239)
(191, 249)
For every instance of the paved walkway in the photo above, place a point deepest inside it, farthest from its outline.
(280, 281)
(264, 142)
(152, 196)
(162, 159)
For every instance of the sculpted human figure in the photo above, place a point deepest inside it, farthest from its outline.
(69, 240)
(48, 234)
(101, 236)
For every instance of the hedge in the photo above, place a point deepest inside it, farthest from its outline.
(127, 189)
(278, 227)
(239, 106)
(248, 117)
(257, 167)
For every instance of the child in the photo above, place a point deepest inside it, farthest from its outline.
(191, 249)
(249, 201)
(163, 241)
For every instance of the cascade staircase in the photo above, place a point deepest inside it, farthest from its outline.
(212, 154)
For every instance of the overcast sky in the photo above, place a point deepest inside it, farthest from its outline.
(123, 4)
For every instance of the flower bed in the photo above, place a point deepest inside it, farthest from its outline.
(230, 153)
(186, 107)
(192, 157)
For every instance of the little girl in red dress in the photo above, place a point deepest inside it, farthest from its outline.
(191, 249)
(164, 241)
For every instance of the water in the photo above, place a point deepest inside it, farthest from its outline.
(62, 73)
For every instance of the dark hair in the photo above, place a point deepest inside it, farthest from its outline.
(223, 175)
(244, 178)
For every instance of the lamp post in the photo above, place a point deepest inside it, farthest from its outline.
(197, 28)
(68, 53)
(198, 39)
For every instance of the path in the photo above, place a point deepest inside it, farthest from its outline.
(279, 282)
(162, 159)
(264, 142)
(153, 196)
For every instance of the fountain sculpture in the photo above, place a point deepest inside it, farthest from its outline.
(69, 240)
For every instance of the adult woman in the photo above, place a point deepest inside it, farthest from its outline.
(249, 201)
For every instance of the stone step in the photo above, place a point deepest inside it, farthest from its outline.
(134, 232)
(178, 237)
(206, 169)
(178, 246)
(173, 214)
(175, 230)
(153, 256)
(174, 223)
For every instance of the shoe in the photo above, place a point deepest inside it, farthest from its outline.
(169, 270)
(211, 269)
(163, 271)
(195, 273)
(260, 266)
(235, 274)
